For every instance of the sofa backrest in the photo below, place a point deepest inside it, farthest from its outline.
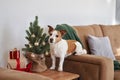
(83, 32)
(113, 32)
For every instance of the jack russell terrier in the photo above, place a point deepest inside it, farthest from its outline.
(62, 48)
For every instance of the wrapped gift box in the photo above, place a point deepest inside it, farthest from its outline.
(17, 61)
(14, 64)
(15, 55)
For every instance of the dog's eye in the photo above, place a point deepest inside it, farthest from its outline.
(56, 35)
(50, 34)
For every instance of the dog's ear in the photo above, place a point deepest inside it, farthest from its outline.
(63, 32)
(50, 28)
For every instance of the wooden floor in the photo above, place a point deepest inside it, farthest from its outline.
(56, 75)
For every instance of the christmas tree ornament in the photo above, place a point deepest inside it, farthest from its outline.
(32, 35)
(43, 43)
(36, 43)
(32, 55)
(30, 45)
(46, 53)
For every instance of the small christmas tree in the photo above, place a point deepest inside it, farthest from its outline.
(37, 39)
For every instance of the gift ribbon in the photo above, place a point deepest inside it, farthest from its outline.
(18, 63)
(17, 54)
(27, 69)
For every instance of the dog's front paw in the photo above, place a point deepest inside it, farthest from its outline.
(52, 67)
(60, 69)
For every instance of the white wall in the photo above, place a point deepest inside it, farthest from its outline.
(15, 16)
(117, 11)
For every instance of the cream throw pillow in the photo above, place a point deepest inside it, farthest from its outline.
(100, 46)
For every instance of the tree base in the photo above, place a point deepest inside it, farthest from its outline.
(37, 60)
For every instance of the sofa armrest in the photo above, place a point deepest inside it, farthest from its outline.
(105, 65)
(8, 74)
(90, 67)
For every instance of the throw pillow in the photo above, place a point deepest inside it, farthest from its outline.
(100, 46)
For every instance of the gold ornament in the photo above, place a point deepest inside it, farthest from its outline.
(33, 35)
(32, 55)
(30, 45)
(36, 43)
(43, 43)
(46, 53)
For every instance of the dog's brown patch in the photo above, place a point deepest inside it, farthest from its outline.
(59, 36)
(50, 28)
(71, 46)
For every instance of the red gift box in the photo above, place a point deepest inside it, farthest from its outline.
(15, 54)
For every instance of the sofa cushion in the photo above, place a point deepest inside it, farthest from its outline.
(100, 46)
(113, 32)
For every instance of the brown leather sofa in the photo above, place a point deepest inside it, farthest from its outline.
(91, 67)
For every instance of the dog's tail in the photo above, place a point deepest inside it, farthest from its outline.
(79, 50)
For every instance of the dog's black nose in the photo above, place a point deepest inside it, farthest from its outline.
(51, 40)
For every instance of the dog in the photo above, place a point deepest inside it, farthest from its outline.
(62, 48)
